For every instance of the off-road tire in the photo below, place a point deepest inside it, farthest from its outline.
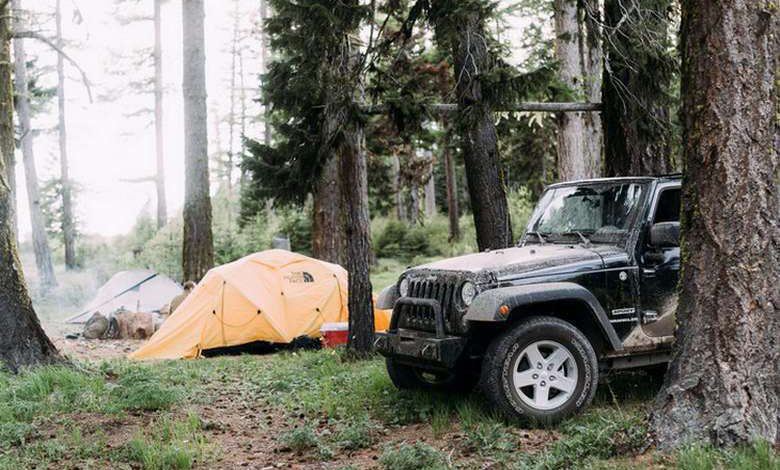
(407, 377)
(496, 378)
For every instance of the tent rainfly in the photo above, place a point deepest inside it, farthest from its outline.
(136, 291)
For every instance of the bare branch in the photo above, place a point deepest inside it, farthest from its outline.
(528, 106)
(142, 179)
(45, 40)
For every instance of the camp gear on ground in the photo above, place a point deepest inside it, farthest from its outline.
(274, 296)
(121, 325)
(95, 327)
(334, 334)
(138, 291)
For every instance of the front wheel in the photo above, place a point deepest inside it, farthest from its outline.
(541, 371)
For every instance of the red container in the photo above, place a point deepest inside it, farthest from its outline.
(334, 334)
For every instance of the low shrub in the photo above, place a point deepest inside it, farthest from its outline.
(358, 433)
(417, 456)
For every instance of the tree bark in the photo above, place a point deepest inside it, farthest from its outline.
(40, 241)
(22, 340)
(638, 74)
(579, 156)
(357, 228)
(68, 227)
(723, 385)
(159, 180)
(328, 238)
(479, 140)
(198, 247)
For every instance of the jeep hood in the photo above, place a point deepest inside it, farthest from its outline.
(526, 260)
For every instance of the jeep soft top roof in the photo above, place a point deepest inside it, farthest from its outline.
(673, 176)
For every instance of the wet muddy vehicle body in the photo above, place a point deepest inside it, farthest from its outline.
(591, 287)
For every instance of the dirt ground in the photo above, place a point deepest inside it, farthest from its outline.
(96, 350)
(245, 435)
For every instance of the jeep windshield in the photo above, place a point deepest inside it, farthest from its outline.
(602, 212)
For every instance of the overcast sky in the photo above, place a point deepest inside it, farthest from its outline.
(104, 145)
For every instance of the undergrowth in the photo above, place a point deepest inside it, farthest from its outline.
(331, 408)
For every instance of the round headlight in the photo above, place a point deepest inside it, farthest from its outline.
(467, 292)
(403, 287)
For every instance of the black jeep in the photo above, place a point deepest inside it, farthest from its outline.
(590, 288)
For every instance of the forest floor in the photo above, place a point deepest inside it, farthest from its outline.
(304, 410)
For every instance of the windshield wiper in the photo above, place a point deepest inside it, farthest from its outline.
(539, 236)
(585, 240)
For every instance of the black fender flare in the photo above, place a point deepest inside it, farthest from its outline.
(485, 307)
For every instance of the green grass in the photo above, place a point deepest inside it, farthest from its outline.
(170, 444)
(330, 407)
(759, 456)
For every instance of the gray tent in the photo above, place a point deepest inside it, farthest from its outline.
(136, 291)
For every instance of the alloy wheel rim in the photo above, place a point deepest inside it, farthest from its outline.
(544, 375)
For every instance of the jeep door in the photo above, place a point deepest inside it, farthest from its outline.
(660, 264)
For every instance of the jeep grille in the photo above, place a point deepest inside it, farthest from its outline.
(420, 317)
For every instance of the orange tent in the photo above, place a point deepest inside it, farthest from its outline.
(273, 296)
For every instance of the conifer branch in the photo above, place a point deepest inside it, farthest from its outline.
(48, 42)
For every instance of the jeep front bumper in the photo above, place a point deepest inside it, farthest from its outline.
(420, 348)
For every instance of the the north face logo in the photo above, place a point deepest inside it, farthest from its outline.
(299, 277)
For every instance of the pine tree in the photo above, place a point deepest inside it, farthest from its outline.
(460, 28)
(313, 88)
(22, 340)
(198, 245)
(723, 385)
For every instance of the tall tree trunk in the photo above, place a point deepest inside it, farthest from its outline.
(159, 180)
(264, 46)
(395, 186)
(723, 385)
(40, 241)
(68, 228)
(233, 99)
(22, 340)
(453, 211)
(7, 146)
(638, 74)
(354, 175)
(479, 140)
(242, 89)
(328, 238)
(429, 200)
(198, 247)
(578, 155)
(592, 66)
(413, 211)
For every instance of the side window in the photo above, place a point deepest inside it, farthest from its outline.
(668, 209)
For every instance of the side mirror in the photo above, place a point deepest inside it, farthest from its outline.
(665, 235)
